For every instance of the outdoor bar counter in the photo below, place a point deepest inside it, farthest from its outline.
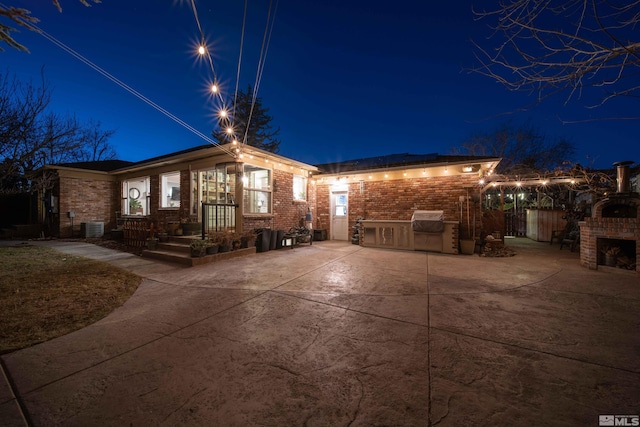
(400, 235)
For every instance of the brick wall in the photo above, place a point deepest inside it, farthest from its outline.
(286, 211)
(592, 229)
(398, 199)
(92, 201)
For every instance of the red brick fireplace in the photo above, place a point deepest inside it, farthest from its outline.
(614, 227)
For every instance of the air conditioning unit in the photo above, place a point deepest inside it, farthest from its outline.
(91, 229)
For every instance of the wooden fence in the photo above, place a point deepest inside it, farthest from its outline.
(136, 231)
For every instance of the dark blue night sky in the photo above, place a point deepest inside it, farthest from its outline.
(342, 79)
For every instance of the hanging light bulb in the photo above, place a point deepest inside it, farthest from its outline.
(223, 113)
(214, 88)
(235, 141)
(230, 131)
(201, 49)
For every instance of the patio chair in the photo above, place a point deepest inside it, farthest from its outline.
(571, 239)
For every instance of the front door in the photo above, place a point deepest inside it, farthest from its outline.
(339, 216)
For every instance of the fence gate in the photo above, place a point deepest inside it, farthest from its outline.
(515, 222)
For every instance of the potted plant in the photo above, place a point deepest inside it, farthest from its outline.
(236, 241)
(214, 243)
(152, 243)
(224, 239)
(199, 247)
(135, 207)
(248, 239)
(190, 228)
(163, 236)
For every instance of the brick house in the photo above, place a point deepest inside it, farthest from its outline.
(269, 190)
(391, 188)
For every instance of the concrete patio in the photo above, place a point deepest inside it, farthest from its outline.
(335, 334)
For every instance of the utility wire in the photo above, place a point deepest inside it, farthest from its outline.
(129, 89)
(263, 57)
(244, 24)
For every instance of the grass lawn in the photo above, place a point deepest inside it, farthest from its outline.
(45, 294)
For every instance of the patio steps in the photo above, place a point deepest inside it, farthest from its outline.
(177, 250)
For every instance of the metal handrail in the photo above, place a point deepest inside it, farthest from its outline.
(218, 217)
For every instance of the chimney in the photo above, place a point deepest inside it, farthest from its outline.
(624, 185)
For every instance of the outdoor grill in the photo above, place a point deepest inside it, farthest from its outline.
(427, 227)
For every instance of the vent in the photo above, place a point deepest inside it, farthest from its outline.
(92, 229)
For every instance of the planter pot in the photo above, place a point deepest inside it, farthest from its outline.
(172, 227)
(467, 246)
(197, 253)
(152, 244)
(247, 242)
(213, 249)
(191, 228)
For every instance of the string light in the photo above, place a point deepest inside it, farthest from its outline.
(214, 88)
(201, 50)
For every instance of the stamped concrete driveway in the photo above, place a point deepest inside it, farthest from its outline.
(336, 335)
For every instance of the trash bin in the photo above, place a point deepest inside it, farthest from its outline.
(279, 239)
(263, 241)
(274, 239)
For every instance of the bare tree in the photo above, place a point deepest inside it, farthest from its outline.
(22, 17)
(31, 136)
(571, 46)
(523, 149)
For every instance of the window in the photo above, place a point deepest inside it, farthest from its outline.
(299, 187)
(170, 190)
(135, 196)
(257, 190)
